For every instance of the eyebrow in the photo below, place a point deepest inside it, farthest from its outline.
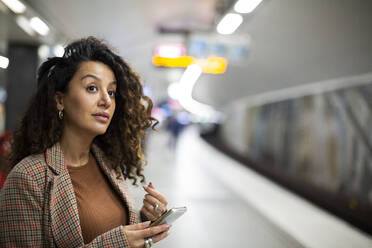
(95, 77)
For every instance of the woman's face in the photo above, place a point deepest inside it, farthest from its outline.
(89, 103)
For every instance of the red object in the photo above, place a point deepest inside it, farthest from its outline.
(5, 143)
(2, 178)
(4, 151)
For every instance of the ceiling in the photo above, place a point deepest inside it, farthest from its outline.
(293, 42)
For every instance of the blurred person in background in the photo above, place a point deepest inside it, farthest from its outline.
(176, 123)
(73, 152)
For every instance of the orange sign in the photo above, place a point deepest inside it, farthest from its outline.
(182, 61)
(211, 65)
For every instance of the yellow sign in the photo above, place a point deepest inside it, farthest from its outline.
(211, 65)
(182, 61)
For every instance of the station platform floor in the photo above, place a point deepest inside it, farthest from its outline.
(231, 206)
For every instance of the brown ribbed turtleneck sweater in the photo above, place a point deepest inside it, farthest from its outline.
(100, 208)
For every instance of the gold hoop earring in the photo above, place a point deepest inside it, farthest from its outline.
(60, 114)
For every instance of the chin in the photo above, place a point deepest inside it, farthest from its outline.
(102, 131)
(98, 130)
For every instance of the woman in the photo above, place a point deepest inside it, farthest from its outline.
(77, 144)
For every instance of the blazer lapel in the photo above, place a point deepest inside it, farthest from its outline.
(119, 185)
(63, 206)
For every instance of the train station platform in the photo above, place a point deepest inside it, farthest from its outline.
(230, 205)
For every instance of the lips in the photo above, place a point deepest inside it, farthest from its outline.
(102, 117)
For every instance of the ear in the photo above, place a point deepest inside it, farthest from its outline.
(59, 96)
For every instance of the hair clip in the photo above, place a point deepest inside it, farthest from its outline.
(69, 53)
(51, 70)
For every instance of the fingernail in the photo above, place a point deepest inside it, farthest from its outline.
(147, 223)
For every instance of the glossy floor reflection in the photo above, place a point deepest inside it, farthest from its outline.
(224, 202)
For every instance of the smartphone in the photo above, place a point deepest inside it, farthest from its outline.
(169, 217)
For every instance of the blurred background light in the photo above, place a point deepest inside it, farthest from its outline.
(246, 6)
(15, 5)
(43, 51)
(229, 23)
(58, 50)
(170, 50)
(187, 82)
(174, 90)
(190, 76)
(4, 62)
(24, 24)
(39, 26)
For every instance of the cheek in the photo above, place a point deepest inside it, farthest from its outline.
(79, 107)
(113, 107)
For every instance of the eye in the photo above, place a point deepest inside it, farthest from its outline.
(112, 93)
(91, 88)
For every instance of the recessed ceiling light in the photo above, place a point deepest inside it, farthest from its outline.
(15, 5)
(229, 23)
(25, 25)
(246, 6)
(4, 62)
(39, 26)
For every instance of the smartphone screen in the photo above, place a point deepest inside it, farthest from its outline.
(170, 216)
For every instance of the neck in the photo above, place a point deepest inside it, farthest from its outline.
(75, 148)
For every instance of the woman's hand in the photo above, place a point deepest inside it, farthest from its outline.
(138, 233)
(154, 203)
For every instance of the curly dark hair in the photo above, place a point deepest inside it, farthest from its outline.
(40, 127)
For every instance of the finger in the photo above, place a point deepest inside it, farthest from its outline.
(150, 207)
(152, 200)
(139, 226)
(160, 236)
(149, 214)
(151, 186)
(152, 231)
(156, 194)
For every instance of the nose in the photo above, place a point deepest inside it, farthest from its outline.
(105, 100)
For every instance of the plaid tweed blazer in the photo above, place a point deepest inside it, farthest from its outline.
(38, 206)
